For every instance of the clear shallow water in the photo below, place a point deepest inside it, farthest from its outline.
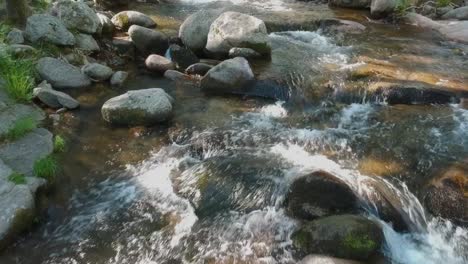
(210, 186)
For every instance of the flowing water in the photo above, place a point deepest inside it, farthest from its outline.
(210, 186)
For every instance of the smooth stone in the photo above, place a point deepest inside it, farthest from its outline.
(15, 36)
(77, 15)
(86, 42)
(107, 27)
(198, 69)
(194, 30)
(48, 28)
(125, 19)
(138, 107)
(148, 41)
(123, 45)
(335, 26)
(351, 3)
(244, 52)
(236, 30)
(119, 78)
(460, 13)
(320, 259)
(456, 31)
(22, 50)
(382, 8)
(157, 63)
(60, 74)
(175, 75)
(97, 72)
(229, 77)
(55, 99)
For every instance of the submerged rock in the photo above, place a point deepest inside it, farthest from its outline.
(139, 107)
(125, 19)
(148, 41)
(175, 75)
(48, 28)
(194, 31)
(60, 74)
(351, 3)
(342, 236)
(244, 52)
(158, 63)
(320, 259)
(119, 78)
(77, 15)
(97, 72)
(229, 77)
(320, 194)
(236, 30)
(198, 69)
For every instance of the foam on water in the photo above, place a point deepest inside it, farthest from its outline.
(274, 5)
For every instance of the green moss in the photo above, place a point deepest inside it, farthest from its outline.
(20, 128)
(402, 7)
(17, 178)
(123, 21)
(46, 168)
(41, 5)
(301, 239)
(18, 75)
(359, 243)
(203, 181)
(5, 28)
(443, 3)
(59, 144)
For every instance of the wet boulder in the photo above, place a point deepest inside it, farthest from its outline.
(194, 31)
(198, 69)
(351, 3)
(138, 107)
(457, 13)
(156, 63)
(49, 29)
(244, 52)
(334, 26)
(457, 31)
(123, 20)
(182, 57)
(175, 75)
(229, 77)
(107, 27)
(320, 194)
(77, 15)
(60, 74)
(148, 41)
(108, 4)
(446, 196)
(97, 72)
(342, 236)
(53, 98)
(236, 30)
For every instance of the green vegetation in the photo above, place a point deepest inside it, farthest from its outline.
(402, 7)
(18, 76)
(443, 3)
(46, 168)
(17, 178)
(59, 144)
(20, 128)
(4, 30)
(359, 243)
(41, 5)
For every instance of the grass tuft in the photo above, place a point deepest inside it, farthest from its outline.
(4, 30)
(59, 144)
(18, 76)
(46, 168)
(20, 128)
(17, 178)
(443, 3)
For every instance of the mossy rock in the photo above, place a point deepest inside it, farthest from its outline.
(342, 236)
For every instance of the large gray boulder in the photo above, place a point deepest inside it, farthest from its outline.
(125, 19)
(458, 13)
(228, 77)
(158, 63)
(77, 15)
(148, 41)
(382, 8)
(97, 72)
(236, 30)
(342, 236)
(139, 107)
(49, 29)
(194, 31)
(53, 98)
(86, 42)
(60, 74)
(21, 154)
